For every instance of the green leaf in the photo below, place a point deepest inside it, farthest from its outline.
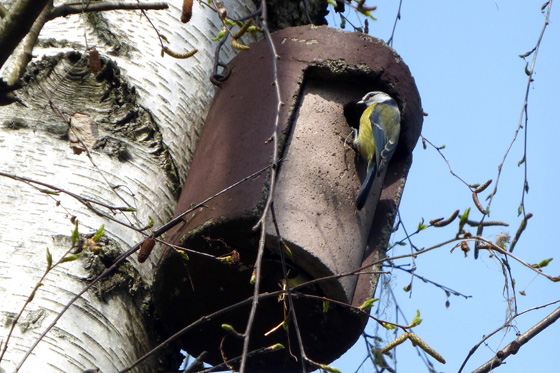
(276, 347)
(221, 34)
(70, 258)
(150, 222)
(225, 259)
(330, 369)
(75, 235)
(253, 278)
(464, 219)
(527, 71)
(32, 295)
(184, 255)
(51, 192)
(331, 2)
(416, 321)
(326, 305)
(130, 209)
(229, 22)
(228, 328)
(100, 232)
(368, 14)
(342, 22)
(543, 263)
(253, 30)
(288, 251)
(366, 306)
(49, 259)
(421, 226)
(407, 288)
(388, 326)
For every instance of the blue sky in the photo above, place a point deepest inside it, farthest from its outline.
(465, 59)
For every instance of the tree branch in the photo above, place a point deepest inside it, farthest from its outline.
(16, 24)
(79, 8)
(22, 55)
(513, 347)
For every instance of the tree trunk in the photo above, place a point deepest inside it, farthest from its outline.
(143, 114)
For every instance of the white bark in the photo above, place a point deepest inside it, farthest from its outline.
(94, 333)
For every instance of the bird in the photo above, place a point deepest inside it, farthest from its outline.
(377, 137)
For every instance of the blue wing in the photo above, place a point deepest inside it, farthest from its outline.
(385, 127)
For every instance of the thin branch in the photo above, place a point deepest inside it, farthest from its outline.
(399, 312)
(50, 267)
(412, 247)
(513, 347)
(490, 246)
(78, 8)
(292, 310)
(122, 257)
(295, 293)
(274, 163)
(284, 291)
(16, 24)
(424, 279)
(523, 114)
(397, 18)
(22, 55)
(251, 300)
(438, 149)
(87, 202)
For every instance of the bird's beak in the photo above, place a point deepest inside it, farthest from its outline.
(360, 103)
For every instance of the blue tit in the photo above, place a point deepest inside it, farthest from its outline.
(380, 126)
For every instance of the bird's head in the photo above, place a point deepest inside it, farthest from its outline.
(375, 97)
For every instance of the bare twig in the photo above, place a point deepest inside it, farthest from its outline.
(291, 309)
(120, 259)
(22, 55)
(16, 24)
(78, 8)
(487, 245)
(530, 71)
(50, 267)
(274, 163)
(87, 202)
(513, 347)
(397, 18)
(426, 280)
(295, 293)
(438, 149)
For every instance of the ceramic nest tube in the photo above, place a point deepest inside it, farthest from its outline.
(322, 74)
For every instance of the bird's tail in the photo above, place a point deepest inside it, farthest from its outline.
(366, 186)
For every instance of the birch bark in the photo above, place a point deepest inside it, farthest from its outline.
(148, 112)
